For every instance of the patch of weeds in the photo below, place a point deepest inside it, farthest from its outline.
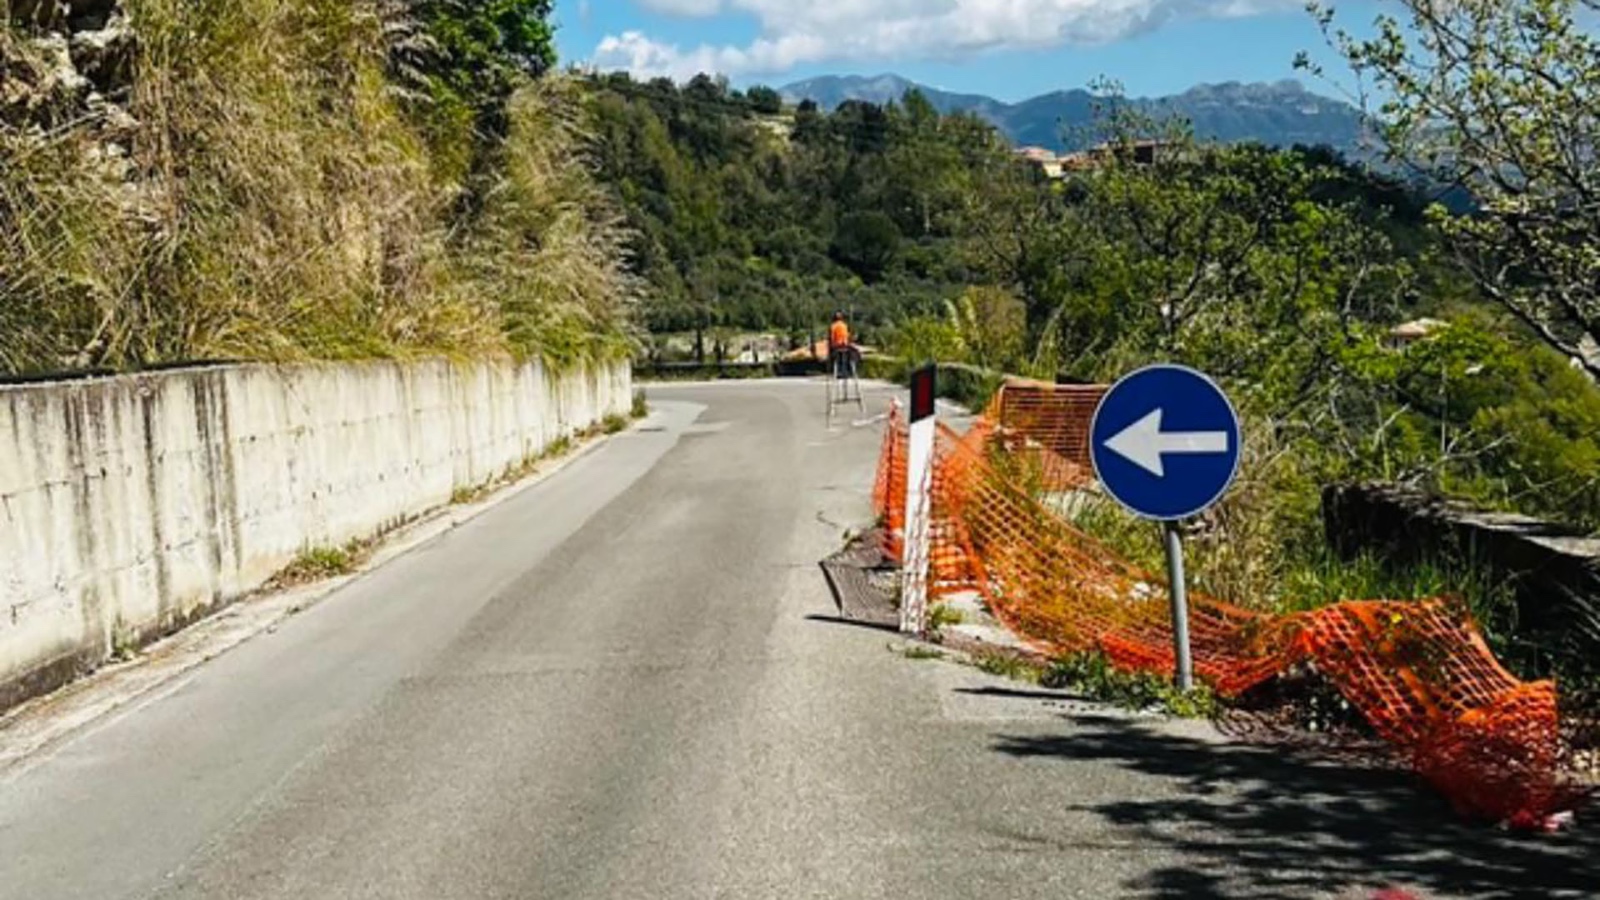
(124, 641)
(919, 651)
(1094, 676)
(318, 563)
(1198, 703)
(561, 446)
(465, 494)
(641, 405)
(940, 617)
(1137, 540)
(614, 423)
(1006, 665)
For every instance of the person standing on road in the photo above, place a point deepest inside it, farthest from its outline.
(840, 349)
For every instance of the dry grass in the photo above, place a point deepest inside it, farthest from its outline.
(283, 205)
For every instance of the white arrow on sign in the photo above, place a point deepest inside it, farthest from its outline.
(1144, 443)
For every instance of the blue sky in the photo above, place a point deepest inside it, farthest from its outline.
(1009, 49)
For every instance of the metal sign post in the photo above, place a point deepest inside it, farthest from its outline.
(1165, 444)
(919, 504)
(1179, 592)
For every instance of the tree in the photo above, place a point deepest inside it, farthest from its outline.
(765, 100)
(866, 243)
(481, 47)
(991, 324)
(808, 122)
(1502, 98)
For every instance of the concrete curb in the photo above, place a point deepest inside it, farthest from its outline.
(49, 720)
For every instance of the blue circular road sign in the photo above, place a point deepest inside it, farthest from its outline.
(1165, 442)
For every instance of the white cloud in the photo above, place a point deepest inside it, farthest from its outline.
(794, 32)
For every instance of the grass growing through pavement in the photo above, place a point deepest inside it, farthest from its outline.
(1093, 675)
(320, 562)
(940, 617)
(1006, 665)
(124, 641)
(517, 471)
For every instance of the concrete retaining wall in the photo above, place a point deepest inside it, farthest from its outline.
(1553, 571)
(130, 506)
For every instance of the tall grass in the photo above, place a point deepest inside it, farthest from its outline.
(279, 202)
(551, 243)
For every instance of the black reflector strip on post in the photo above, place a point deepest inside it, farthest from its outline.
(922, 393)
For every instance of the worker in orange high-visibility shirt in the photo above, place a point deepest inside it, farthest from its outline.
(840, 349)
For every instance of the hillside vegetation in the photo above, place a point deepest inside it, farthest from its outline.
(285, 179)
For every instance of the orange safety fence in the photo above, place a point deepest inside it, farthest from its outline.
(1419, 672)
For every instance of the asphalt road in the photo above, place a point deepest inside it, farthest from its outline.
(624, 683)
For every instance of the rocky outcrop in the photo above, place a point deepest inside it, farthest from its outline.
(66, 63)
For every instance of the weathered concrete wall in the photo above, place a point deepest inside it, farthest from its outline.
(136, 504)
(1554, 571)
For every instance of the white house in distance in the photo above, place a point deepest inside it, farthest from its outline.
(1046, 160)
(1056, 166)
(1408, 333)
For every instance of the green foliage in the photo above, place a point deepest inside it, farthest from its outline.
(124, 641)
(764, 100)
(475, 53)
(968, 386)
(1498, 97)
(744, 223)
(1005, 665)
(990, 323)
(866, 243)
(923, 339)
(940, 617)
(1093, 675)
(318, 563)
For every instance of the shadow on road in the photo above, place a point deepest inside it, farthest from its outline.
(1260, 822)
(1017, 693)
(854, 623)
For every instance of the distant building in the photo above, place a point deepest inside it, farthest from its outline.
(1042, 159)
(1055, 166)
(1404, 335)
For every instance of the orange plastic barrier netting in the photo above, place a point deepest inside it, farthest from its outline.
(1419, 671)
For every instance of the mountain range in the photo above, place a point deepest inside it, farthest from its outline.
(1281, 113)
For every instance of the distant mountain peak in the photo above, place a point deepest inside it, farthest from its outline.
(1280, 112)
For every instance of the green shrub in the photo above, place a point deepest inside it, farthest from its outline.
(1093, 675)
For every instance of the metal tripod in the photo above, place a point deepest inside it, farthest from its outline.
(844, 383)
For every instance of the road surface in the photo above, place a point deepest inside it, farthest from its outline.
(624, 683)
